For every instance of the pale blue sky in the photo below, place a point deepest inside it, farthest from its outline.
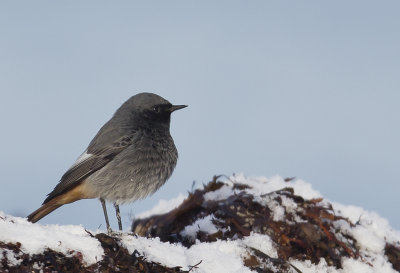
(301, 88)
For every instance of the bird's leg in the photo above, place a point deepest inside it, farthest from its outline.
(103, 204)
(116, 206)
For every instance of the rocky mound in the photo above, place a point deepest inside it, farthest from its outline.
(307, 230)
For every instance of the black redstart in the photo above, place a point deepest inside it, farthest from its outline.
(131, 157)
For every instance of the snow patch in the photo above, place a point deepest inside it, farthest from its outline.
(261, 242)
(205, 225)
(10, 256)
(163, 206)
(222, 193)
(263, 185)
(35, 238)
(216, 257)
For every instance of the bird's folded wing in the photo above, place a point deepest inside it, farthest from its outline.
(86, 165)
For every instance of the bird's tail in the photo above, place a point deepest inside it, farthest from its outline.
(43, 211)
(74, 194)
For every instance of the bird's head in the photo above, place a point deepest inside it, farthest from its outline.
(148, 109)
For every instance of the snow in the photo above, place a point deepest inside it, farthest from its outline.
(205, 225)
(224, 192)
(261, 242)
(35, 238)
(220, 256)
(163, 206)
(216, 257)
(263, 185)
(165, 253)
(380, 265)
(371, 232)
(279, 210)
(9, 254)
(371, 221)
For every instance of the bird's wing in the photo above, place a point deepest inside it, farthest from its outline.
(89, 162)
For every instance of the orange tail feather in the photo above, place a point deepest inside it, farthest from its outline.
(77, 193)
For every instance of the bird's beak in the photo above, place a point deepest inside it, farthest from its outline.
(176, 107)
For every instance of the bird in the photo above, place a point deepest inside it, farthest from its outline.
(130, 157)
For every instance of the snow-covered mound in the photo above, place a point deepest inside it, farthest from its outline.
(235, 224)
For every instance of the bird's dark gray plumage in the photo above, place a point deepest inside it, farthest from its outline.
(131, 157)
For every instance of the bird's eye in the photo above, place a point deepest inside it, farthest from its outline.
(156, 109)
